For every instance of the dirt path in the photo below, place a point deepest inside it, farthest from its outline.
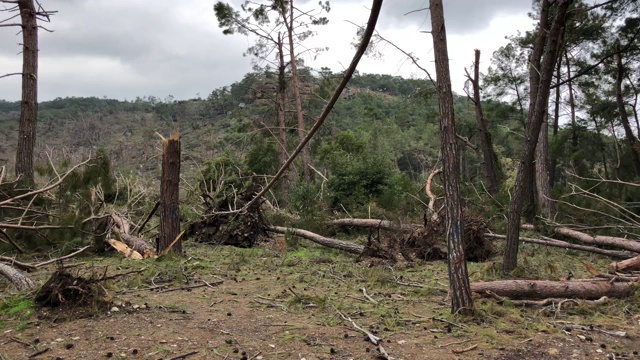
(286, 308)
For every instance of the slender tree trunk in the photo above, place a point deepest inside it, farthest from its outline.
(624, 119)
(490, 162)
(545, 57)
(572, 104)
(304, 155)
(460, 291)
(280, 103)
(29, 105)
(169, 195)
(545, 202)
(556, 123)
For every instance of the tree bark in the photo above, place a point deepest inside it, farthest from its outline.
(374, 223)
(545, 202)
(542, 289)
(18, 279)
(304, 156)
(169, 195)
(556, 121)
(29, 104)
(461, 300)
(540, 78)
(324, 241)
(632, 264)
(572, 104)
(613, 241)
(565, 245)
(282, 126)
(624, 119)
(491, 167)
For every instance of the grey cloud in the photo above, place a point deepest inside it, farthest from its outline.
(461, 16)
(173, 50)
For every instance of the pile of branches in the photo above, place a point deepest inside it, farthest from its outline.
(220, 226)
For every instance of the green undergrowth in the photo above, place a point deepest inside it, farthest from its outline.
(16, 311)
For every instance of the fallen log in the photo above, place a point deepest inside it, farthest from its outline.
(543, 289)
(632, 264)
(18, 279)
(319, 239)
(576, 235)
(565, 245)
(374, 223)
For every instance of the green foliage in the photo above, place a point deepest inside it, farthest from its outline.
(262, 158)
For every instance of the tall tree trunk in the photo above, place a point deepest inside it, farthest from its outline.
(282, 126)
(545, 56)
(460, 291)
(572, 103)
(169, 195)
(556, 124)
(304, 155)
(490, 162)
(545, 202)
(624, 119)
(29, 105)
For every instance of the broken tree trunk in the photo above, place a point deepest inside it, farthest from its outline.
(169, 195)
(542, 289)
(18, 279)
(121, 229)
(374, 223)
(328, 242)
(565, 245)
(632, 264)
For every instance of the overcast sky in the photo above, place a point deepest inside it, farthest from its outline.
(127, 48)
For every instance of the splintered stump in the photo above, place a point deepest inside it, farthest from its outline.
(541, 289)
(169, 195)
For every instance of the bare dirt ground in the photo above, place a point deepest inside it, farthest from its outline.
(261, 304)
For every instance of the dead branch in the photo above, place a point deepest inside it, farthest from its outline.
(46, 188)
(621, 243)
(6, 235)
(146, 220)
(460, 351)
(62, 257)
(18, 264)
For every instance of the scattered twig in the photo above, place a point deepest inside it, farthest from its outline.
(449, 322)
(38, 353)
(184, 356)
(453, 343)
(62, 257)
(460, 351)
(374, 339)
(364, 292)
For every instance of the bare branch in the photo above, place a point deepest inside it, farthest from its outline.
(11, 74)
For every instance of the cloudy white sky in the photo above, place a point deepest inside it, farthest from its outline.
(127, 48)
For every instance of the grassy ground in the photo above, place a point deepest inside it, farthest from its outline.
(266, 304)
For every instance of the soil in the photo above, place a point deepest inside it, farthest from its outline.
(263, 304)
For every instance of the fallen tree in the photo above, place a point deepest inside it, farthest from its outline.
(566, 245)
(602, 240)
(347, 246)
(18, 279)
(374, 223)
(632, 264)
(121, 228)
(543, 289)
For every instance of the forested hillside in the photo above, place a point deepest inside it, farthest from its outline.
(526, 184)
